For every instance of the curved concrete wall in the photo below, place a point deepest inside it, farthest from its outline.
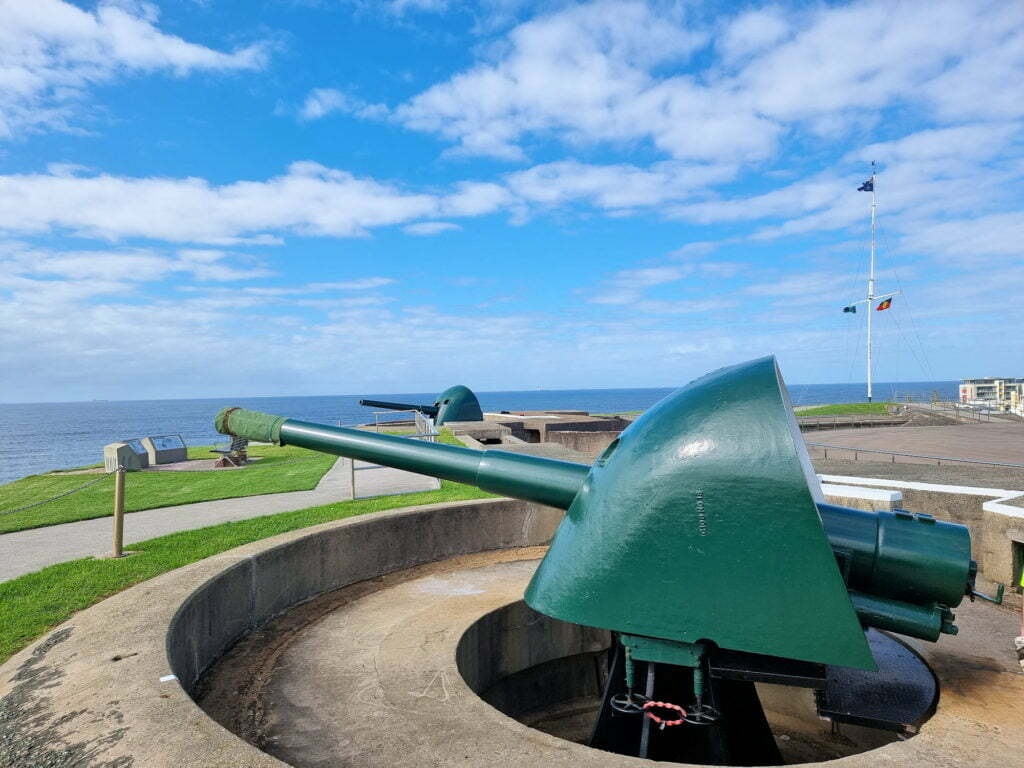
(97, 689)
(250, 593)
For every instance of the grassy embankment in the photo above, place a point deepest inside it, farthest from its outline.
(280, 470)
(32, 604)
(840, 409)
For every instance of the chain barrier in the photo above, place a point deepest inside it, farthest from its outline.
(100, 479)
(260, 465)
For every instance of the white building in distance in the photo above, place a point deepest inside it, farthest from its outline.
(997, 394)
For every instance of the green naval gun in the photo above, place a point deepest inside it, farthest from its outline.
(456, 403)
(702, 540)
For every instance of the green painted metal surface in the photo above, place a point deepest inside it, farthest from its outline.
(703, 520)
(251, 424)
(546, 481)
(456, 403)
(659, 651)
(900, 555)
(699, 523)
(926, 622)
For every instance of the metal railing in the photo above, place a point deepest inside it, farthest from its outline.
(841, 420)
(893, 454)
(425, 430)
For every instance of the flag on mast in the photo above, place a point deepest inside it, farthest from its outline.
(851, 308)
(884, 305)
(867, 186)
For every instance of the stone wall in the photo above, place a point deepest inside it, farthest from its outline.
(588, 442)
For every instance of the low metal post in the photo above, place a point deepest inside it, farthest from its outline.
(352, 478)
(118, 512)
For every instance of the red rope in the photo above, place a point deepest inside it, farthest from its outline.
(664, 705)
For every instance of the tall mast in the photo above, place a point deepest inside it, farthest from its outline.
(872, 297)
(871, 275)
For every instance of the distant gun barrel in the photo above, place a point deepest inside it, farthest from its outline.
(428, 410)
(456, 403)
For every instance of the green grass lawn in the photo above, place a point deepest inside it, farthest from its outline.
(840, 409)
(36, 602)
(281, 469)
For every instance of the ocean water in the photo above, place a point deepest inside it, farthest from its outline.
(38, 437)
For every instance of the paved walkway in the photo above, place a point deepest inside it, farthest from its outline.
(987, 441)
(27, 551)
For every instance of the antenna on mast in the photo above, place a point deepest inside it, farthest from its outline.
(869, 301)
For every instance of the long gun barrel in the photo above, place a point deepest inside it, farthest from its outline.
(886, 556)
(428, 410)
(456, 403)
(701, 521)
(545, 481)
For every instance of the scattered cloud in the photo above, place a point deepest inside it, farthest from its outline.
(323, 101)
(618, 186)
(430, 228)
(360, 284)
(628, 285)
(825, 72)
(537, 85)
(25, 266)
(309, 199)
(52, 53)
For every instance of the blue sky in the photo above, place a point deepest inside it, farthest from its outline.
(260, 197)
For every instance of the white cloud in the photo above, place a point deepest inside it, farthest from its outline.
(473, 198)
(979, 141)
(985, 240)
(309, 199)
(427, 228)
(615, 186)
(358, 284)
(814, 284)
(752, 33)
(400, 7)
(628, 285)
(51, 52)
(684, 306)
(579, 70)
(25, 267)
(802, 196)
(620, 72)
(321, 102)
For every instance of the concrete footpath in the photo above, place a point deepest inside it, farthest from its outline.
(26, 551)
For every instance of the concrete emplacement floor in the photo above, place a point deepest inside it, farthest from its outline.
(370, 671)
(375, 674)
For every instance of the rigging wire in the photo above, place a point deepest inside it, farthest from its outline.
(923, 360)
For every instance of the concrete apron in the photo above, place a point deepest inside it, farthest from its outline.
(95, 692)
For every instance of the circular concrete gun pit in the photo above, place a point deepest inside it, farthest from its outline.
(349, 644)
(435, 659)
